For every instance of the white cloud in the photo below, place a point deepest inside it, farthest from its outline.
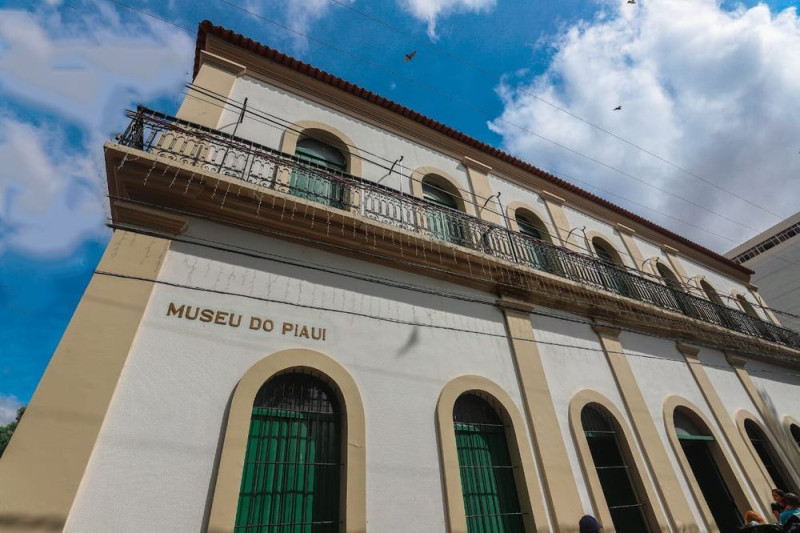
(8, 408)
(298, 15)
(430, 11)
(82, 72)
(712, 91)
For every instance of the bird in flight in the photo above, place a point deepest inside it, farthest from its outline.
(631, 1)
(409, 56)
(618, 108)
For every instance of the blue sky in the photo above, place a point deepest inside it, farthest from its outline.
(706, 142)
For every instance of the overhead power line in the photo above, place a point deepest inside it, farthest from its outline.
(498, 75)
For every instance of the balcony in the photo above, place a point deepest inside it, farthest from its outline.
(184, 145)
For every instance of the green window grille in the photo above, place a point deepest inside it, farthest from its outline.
(624, 504)
(766, 453)
(487, 473)
(611, 276)
(536, 254)
(696, 444)
(292, 468)
(317, 182)
(443, 224)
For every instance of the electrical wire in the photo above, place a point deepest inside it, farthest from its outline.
(439, 271)
(409, 287)
(498, 75)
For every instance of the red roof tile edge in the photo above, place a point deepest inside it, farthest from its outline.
(207, 27)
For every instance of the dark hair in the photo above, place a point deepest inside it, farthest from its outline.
(791, 499)
(779, 492)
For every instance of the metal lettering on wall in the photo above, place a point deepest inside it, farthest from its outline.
(235, 320)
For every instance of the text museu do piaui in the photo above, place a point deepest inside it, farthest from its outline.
(235, 320)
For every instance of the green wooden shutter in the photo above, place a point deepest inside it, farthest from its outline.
(487, 476)
(290, 481)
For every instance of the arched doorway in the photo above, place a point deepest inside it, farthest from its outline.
(618, 478)
(611, 268)
(292, 464)
(768, 456)
(444, 222)
(318, 182)
(680, 300)
(698, 446)
(533, 252)
(488, 481)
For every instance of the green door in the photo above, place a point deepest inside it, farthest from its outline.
(318, 182)
(487, 474)
(290, 481)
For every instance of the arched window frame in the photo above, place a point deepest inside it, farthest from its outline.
(515, 209)
(711, 294)
(353, 492)
(654, 512)
(605, 242)
(327, 134)
(776, 453)
(445, 181)
(526, 477)
(720, 453)
(794, 438)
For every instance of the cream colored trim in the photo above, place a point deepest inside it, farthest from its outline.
(43, 465)
(677, 507)
(555, 208)
(675, 263)
(787, 424)
(511, 213)
(465, 205)
(750, 468)
(554, 465)
(530, 496)
(742, 416)
(769, 417)
(217, 76)
(591, 235)
(478, 175)
(626, 234)
(324, 133)
(720, 455)
(764, 307)
(353, 511)
(237, 69)
(653, 509)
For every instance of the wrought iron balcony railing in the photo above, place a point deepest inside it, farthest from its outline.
(176, 140)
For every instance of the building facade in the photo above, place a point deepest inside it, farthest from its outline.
(774, 257)
(321, 311)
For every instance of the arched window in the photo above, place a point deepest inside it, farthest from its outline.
(487, 473)
(679, 299)
(697, 444)
(613, 470)
(766, 453)
(533, 252)
(611, 269)
(444, 224)
(712, 295)
(318, 182)
(794, 429)
(292, 465)
(747, 306)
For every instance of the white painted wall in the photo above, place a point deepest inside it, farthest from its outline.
(158, 444)
(661, 372)
(375, 144)
(573, 360)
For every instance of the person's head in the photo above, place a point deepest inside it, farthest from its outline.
(777, 495)
(791, 500)
(589, 524)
